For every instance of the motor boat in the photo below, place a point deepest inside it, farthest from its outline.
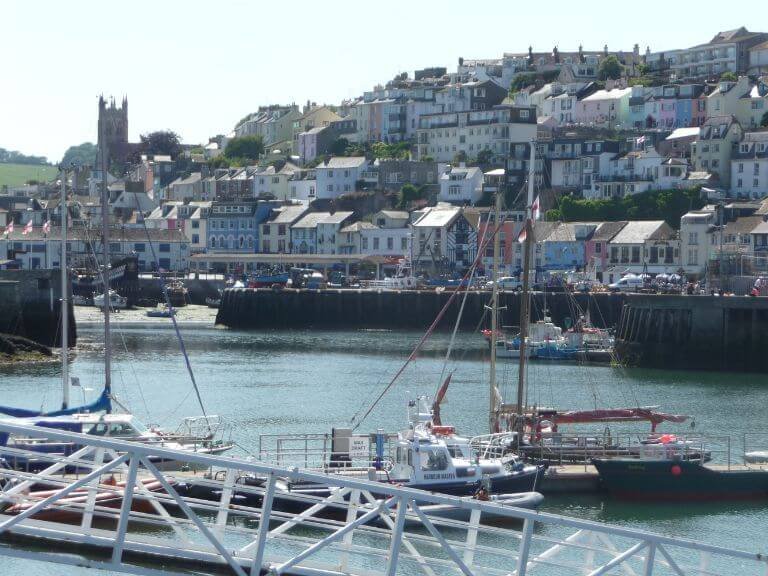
(116, 302)
(161, 311)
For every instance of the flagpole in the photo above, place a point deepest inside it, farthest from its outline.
(64, 295)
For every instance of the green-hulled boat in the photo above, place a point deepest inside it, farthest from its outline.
(665, 479)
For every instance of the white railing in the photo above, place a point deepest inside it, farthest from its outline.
(246, 517)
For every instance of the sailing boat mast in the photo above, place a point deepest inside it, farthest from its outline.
(64, 295)
(105, 276)
(493, 392)
(525, 294)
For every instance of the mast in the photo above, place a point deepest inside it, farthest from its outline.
(64, 295)
(525, 294)
(493, 393)
(105, 276)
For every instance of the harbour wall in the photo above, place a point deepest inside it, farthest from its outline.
(30, 306)
(694, 332)
(246, 308)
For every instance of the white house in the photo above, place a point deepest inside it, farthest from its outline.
(339, 175)
(461, 185)
(328, 228)
(749, 166)
(443, 234)
(694, 244)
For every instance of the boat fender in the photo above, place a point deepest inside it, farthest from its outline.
(676, 470)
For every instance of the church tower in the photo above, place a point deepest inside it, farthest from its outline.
(113, 128)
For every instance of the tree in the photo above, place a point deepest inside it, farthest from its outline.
(484, 157)
(218, 162)
(728, 77)
(339, 147)
(764, 121)
(408, 194)
(161, 142)
(245, 147)
(459, 157)
(82, 155)
(610, 69)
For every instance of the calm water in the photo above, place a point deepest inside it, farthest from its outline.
(309, 381)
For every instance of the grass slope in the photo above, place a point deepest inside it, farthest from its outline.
(19, 174)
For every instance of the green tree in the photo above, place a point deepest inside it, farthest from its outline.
(484, 157)
(408, 194)
(339, 147)
(82, 155)
(764, 121)
(162, 142)
(459, 157)
(219, 161)
(245, 147)
(728, 77)
(610, 69)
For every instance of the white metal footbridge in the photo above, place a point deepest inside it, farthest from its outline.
(108, 505)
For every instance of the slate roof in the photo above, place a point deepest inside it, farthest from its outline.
(344, 162)
(607, 230)
(638, 231)
(743, 225)
(438, 217)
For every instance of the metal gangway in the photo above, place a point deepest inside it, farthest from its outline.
(116, 506)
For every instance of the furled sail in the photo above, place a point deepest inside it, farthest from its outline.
(102, 404)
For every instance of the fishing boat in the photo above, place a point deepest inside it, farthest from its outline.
(676, 479)
(176, 294)
(268, 279)
(116, 302)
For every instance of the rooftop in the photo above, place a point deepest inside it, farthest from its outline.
(638, 231)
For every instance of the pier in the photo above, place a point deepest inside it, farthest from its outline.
(694, 332)
(246, 308)
(362, 528)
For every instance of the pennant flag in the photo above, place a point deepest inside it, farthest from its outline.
(535, 209)
(523, 236)
(47, 227)
(640, 141)
(9, 228)
(27, 228)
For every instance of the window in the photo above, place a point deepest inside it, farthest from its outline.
(139, 247)
(376, 243)
(114, 247)
(635, 254)
(195, 238)
(693, 257)
(275, 179)
(755, 183)
(756, 169)
(330, 173)
(625, 253)
(693, 238)
(266, 229)
(213, 242)
(365, 243)
(599, 248)
(330, 188)
(390, 243)
(403, 243)
(739, 183)
(741, 167)
(524, 114)
(195, 224)
(164, 248)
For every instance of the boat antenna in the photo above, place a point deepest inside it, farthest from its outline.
(528, 244)
(493, 392)
(64, 310)
(106, 271)
(167, 299)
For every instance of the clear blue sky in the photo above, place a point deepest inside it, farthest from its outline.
(197, 67)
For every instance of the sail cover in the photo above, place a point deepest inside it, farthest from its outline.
(102, 404)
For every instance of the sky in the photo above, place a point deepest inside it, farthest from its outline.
(196, 67)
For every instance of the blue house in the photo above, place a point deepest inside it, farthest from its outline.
(233, 225)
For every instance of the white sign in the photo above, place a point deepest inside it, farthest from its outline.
(359, 447)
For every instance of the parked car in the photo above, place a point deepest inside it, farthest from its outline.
(627, 284)
(507, 283)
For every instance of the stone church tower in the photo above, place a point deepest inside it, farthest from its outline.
(113, 129)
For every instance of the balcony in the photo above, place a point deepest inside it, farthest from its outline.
(625, 178)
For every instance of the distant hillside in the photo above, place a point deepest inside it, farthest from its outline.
(19, 174)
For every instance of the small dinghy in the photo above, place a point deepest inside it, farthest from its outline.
(526, 500)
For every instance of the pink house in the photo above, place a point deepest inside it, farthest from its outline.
(596, 247)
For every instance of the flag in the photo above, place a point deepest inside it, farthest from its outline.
(9, 228)
(27, 228)
(536, 209)
(523, 236)
(47, 227)
(640, 141)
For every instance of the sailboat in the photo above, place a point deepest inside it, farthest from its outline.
(533, 430)
(98, 418)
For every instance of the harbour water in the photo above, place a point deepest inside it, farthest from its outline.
(310, 381)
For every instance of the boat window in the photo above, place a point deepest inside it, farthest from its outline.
(98, 429)
(455, 451)
(410, 457)
(434, 459)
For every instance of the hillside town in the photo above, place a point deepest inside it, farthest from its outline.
(409, 169)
